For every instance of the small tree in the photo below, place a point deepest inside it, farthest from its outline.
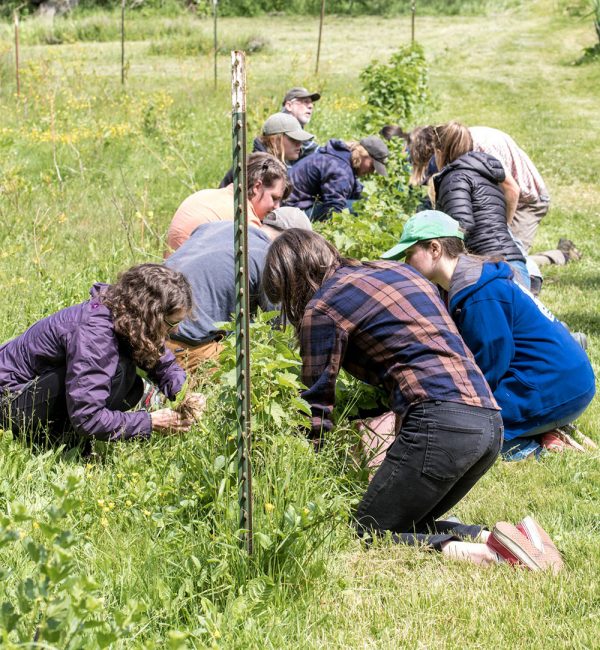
(396, 91)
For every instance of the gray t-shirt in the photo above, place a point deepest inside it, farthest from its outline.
(207, 261)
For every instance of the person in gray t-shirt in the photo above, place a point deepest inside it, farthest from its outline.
(207, 260)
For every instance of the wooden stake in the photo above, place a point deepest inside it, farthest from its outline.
(320, 34)
(123, 42)
(17, 74)
(215, 40)
(413, 11)
(242, 305)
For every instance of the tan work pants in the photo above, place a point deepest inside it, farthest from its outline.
(189, 357)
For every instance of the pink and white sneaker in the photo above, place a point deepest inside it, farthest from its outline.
(512, 546)
(541, 540)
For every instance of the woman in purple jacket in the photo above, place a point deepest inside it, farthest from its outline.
(75, 371)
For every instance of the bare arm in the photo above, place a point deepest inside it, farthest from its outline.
(511, 196)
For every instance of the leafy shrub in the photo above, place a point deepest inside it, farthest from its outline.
(396, 91)
(275, 367)
(379, 218)
(56, 602)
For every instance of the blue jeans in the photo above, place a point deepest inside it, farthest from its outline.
(441, 451)
(521, 274)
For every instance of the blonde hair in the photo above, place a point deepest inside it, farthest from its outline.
(359, 153)
(274, 145)
(452, 140)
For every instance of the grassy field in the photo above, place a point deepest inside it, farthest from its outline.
(90, 175)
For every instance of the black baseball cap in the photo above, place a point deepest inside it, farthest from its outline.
(299, 93)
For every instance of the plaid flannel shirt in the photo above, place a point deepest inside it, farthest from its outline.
(385, 324)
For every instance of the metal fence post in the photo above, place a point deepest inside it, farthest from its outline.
(242, 305)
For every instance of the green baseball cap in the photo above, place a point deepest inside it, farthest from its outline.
(428, 224)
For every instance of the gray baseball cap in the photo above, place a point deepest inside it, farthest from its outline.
(299, 93)
(377, 149)
(288, 124)
(287, 217)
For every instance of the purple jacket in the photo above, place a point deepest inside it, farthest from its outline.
(83, 339)
(326, 177)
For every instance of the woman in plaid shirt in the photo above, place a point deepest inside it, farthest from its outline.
(385, 324)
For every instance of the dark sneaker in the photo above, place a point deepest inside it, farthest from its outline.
(569, 250)
(509, 543)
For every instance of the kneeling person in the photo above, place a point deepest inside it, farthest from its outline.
(540, 376)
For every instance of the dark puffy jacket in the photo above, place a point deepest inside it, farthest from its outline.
(468, 190)
(257, 145)
(325, 177)
(83, 339)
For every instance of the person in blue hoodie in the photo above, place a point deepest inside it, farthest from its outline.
(327, 181)
(540, 376)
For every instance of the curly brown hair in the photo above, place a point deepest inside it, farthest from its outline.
(139, 302)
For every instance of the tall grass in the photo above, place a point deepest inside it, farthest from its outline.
(90, 176)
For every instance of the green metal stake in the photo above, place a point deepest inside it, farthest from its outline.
(413, 11)
(242, 304)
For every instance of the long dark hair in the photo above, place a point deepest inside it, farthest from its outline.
(421, 148)
(139, 302)
(297, 264)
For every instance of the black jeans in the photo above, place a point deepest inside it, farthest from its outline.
(40, 409)
(441, 451)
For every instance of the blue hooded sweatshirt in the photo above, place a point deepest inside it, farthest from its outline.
(538, 373)
(325, 177)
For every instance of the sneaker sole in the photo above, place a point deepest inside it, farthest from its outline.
(535, 532)
(520, 546)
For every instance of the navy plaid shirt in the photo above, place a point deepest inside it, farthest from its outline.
(385, 324)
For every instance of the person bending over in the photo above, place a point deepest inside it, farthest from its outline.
(468, 189)
(75, 371)
(207, 259)
(268, 186)
(386, 325)
(540, 376)
(327, 181)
